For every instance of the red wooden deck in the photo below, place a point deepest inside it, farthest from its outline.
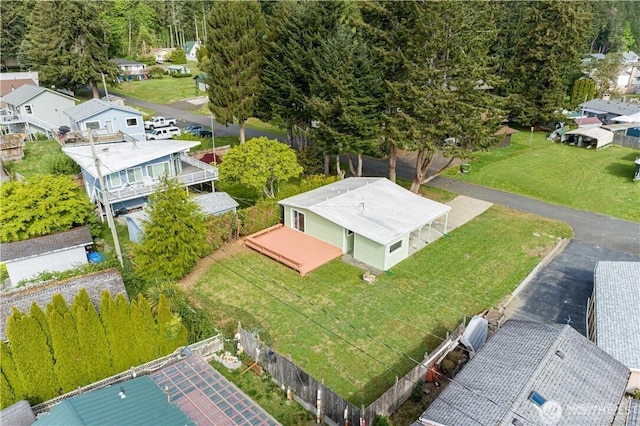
(293, 248)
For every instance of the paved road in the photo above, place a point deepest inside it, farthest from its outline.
(593, 228)
(559, 292)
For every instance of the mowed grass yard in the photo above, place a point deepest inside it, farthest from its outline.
(597, 181)
(358, 336)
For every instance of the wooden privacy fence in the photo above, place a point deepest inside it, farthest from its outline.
(628, 141)
(328, 406)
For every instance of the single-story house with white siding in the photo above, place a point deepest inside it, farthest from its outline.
(376, 220)
(213, 203)
(54, 252)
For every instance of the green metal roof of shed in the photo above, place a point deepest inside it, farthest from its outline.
(144, 403)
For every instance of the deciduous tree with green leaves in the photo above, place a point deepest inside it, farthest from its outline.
(174, 237)
(260, 163)
(42, 205)
(234, 42)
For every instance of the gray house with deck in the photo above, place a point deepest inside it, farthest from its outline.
(132, 170)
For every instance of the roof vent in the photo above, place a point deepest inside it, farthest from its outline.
(560, 354)
(517, 422)
(105, 148)
(122, 394)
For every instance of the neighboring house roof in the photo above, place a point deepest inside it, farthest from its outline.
(616, 288)
(553, 360)
(630, 56)
(161, 49)
(28, 91)
(123, 155)
(46, 244)
(7, 86)
(95, 106)
(122, 61)
(598, 56)
(189, 45)
(633, 415)
(505, 131)
(139, 401)
(18, 414)
(177, 67)
(41, 294)
(587, 121)
(600, 106)
(375, 208)
(215, 202)
(201, 77)
(632, 118)
(207, 397)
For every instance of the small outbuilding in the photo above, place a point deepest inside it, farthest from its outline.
(588, 137)
(379, 222)
(54, 252)
(178, 69)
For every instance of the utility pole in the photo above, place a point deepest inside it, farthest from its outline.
(104, 83)
(105, 200)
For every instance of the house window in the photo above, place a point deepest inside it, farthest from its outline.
(298, 220)
(158, 170)
(28, 109)
(395, 246)
(92, 125)
(115, 180)
(131, 122)
(134, 175)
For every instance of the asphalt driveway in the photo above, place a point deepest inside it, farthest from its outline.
(559, 292)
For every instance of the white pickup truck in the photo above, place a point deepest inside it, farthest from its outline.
(162, 133)
(156, 122)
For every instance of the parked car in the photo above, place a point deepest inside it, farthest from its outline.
(163, 133)
(203, 133)
(155, 122)
(193, 128)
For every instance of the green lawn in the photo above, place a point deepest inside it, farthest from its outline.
(38, 156)
(409, 309)
(161, 91)
(597, 181)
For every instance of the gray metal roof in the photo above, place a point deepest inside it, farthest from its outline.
(18, 414)
(46, 244)
(633, 415)
(215, 202)
(551, 359)
(612, 107)
(630, 56)
(41, 294)
(375, 208)
(123, 61)
(616, 286)
(27, 91)
(95, 106)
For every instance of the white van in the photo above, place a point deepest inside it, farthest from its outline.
(163, 133)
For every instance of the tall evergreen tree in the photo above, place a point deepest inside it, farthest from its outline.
(32, 356)
(234, 41)
(70, 365)
(7, 397)
(171, 333)
(14, 18)
(67, 42)
(145, 329)
(346, 99)
(174, 237)
(109, 322)
(15, 389)
(38, 314)
(92, 339)
(540, 48)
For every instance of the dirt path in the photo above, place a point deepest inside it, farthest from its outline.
(204, 264)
